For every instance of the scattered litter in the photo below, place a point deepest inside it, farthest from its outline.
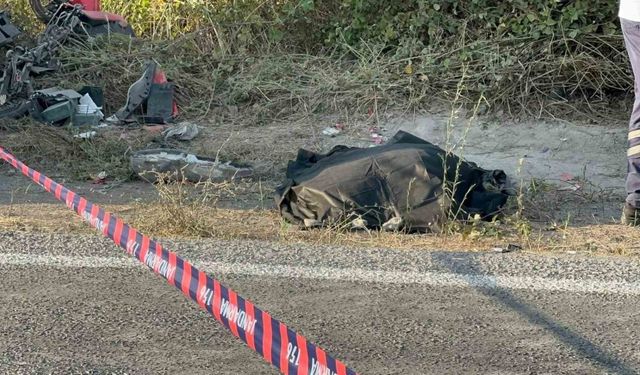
(571, 182)
(359, 224)
(100, 179)
(566, 177)
(331, 131)
(545, 150)
(86, 135)
(392, 225)
(55, 106)
(184, 131)
(377, 138)
(96, 94)
(311, 223)
(571, 187)
(113, 119)
(88, 107)
(178, 165)
(509, 249)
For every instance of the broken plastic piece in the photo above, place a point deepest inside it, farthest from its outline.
(152, 96)
(87, 112)
(159, 108)
(509, 249)
(54, 106)
(58, 112)
(184, 131)
(8, 32)
(138, 93)
(86, 135)
(96, 93)
(177, 164)
(393, 225)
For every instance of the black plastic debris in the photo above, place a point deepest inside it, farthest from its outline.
(54, 106)
(150, 98)
(95, 92)
(8, 31)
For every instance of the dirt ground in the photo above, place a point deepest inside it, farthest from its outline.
(571, 176)
(570, 156)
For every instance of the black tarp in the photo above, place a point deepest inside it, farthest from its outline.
(399, 185)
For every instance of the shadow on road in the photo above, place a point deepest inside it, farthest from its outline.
(466, 265)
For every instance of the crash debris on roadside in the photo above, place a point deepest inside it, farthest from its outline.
(150, 102)
(406, 184)
(181, 165)
(150, 99)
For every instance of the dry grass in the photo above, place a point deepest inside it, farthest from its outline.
(262, 88)
(525, 78)
(232, 224)
(80, 159)
(542, 219)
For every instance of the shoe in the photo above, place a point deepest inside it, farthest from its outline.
(630, 215)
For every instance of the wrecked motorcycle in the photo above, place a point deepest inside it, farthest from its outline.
(64, 18)
(21, 64)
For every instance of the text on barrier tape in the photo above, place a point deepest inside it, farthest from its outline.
(291, 353)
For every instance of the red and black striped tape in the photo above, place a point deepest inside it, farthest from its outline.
(291, 353)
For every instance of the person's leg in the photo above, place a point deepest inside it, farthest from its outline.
(631, 32)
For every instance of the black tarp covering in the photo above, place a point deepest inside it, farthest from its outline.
(400, 185)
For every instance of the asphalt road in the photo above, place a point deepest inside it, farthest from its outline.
(77, 305)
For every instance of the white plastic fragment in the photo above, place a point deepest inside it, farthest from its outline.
(86, 135)
(87, 106)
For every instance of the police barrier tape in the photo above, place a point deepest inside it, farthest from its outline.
(291, 353)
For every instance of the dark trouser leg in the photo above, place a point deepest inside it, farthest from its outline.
(631, 32)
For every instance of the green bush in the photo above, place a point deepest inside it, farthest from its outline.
(407, 27)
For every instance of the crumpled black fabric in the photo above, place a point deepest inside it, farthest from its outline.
(404, 181)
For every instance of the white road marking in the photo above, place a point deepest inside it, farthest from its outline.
(434, 279)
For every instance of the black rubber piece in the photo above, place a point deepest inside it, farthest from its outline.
(45, 11)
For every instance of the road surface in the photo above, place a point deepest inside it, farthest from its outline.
(74, 304)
